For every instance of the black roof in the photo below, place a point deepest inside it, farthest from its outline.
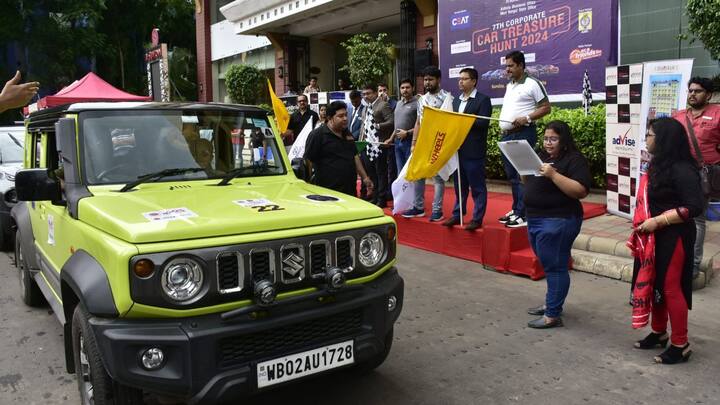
(55, 113)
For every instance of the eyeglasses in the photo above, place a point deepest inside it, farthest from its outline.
(551, 139)
(696, 91)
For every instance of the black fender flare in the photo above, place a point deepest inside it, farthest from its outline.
(87, 280)
(83, 281)
(21, 217)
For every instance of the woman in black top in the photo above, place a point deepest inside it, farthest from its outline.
(554, 216)
(669, 197)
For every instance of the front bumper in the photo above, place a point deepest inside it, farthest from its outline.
(210, 360)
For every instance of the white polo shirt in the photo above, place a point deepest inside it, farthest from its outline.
(521, 98)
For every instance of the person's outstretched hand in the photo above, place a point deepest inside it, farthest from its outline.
(15, 94)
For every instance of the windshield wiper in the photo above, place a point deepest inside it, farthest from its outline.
(158, 175)
(240, 170)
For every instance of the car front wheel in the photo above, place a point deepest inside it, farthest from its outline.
(95, 385)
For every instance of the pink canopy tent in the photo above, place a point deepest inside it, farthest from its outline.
(89, 88)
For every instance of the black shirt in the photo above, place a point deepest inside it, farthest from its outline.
(544, 199)
(298, 121)
(333, 159)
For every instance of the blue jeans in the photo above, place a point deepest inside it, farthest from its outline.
(529, 134)
(472, 176)
(551, 239)
(402, 153)
(437, 203)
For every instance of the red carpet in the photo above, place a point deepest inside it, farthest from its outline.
(495, 246)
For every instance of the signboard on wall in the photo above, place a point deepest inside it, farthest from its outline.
(560, 38)
(636, 94)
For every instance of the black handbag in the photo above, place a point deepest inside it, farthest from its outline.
(709, 174)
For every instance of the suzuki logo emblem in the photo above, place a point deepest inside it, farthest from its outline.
(293, 264)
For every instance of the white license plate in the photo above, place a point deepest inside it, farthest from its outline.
(304, 364)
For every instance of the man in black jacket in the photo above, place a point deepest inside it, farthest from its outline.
(471, 156)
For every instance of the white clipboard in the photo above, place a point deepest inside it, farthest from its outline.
(522, 156)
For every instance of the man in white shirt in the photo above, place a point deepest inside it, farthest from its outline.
(434, 97)
(525, 102)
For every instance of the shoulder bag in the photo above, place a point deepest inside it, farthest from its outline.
(709, 173)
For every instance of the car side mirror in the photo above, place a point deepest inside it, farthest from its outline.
(37, 185)
(298, 166)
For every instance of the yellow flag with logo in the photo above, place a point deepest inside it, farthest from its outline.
(281, 113)
(441, 134)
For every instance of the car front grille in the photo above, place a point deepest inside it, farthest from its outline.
(290, 265)
(236, 350)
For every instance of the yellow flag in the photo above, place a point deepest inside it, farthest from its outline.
(281, 113)
(441, 134)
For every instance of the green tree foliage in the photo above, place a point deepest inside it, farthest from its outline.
(126, 27)
(183, 73)
(704, 23)
(56, 37)
(588, 133)
(245, 84)
(368, 58)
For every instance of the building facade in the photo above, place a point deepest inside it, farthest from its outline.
(293, 40)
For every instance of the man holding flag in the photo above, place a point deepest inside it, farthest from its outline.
(438, 98)
(471, 155)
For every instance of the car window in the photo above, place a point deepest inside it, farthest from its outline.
(119, 146)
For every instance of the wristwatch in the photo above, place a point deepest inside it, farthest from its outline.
(527, 117)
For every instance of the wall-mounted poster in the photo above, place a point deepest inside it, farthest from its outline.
(560, 39)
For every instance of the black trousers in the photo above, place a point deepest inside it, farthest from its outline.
(378, 172)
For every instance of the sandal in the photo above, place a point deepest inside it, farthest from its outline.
(674, 355)
(652, 340)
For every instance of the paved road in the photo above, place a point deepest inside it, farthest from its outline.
(461, 340)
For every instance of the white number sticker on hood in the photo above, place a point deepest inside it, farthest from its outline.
(259, 204)
(170, 214)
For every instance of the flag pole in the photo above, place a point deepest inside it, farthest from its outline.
(459, 185)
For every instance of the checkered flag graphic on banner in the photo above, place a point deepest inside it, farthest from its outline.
(586, 93)
(373, 147)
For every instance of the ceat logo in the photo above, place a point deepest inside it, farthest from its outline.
(624, 140)
(460, 20)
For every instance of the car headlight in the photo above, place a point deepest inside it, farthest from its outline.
(182, 279)
(371, 249)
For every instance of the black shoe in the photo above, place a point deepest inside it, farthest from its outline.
(452, 221)
(540, 323)
(652, 341)
(503, 219)
(539, 310)
(472, 225)
(674, 355)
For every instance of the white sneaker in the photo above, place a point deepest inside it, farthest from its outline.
(516, 222)
(504, 219)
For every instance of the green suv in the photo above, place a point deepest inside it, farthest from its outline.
(184, 257)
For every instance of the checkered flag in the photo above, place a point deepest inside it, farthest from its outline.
(370, 135)
(586, 93)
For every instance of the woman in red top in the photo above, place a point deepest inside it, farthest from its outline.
(669, 197)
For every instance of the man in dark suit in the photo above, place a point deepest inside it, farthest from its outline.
(378, 125)
(471, 156)
(357, 114)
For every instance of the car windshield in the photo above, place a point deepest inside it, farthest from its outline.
(11, 145)
(120, 146)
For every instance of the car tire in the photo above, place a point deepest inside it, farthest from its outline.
(375, 361)
(29, 291)
(95, 385)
